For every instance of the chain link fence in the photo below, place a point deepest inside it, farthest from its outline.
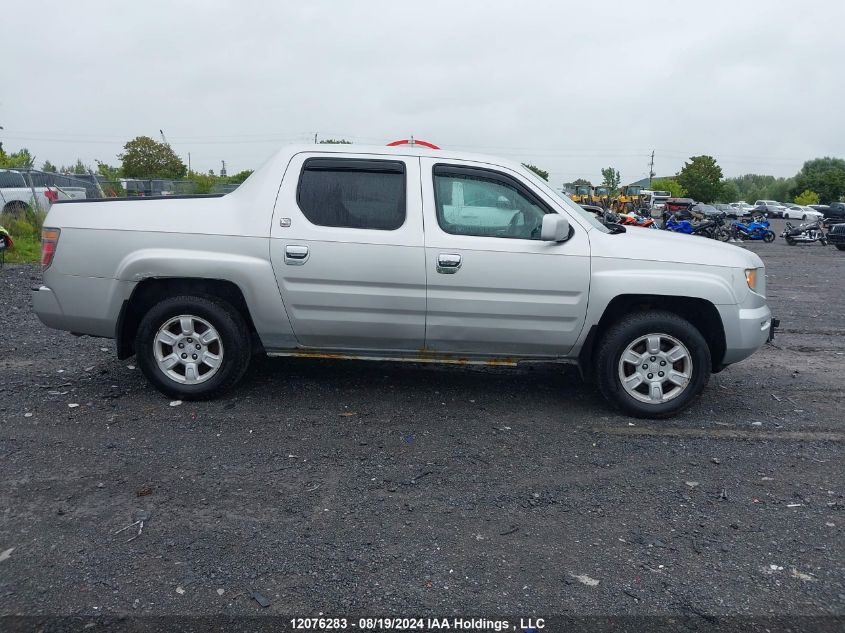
(25, 191)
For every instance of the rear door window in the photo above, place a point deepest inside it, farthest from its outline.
(353, 193)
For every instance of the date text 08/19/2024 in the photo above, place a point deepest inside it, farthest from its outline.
(417, 624)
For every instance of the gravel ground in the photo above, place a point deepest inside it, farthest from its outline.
(375, 488)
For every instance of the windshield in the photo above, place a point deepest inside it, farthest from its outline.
(568, 202)
(575, 208)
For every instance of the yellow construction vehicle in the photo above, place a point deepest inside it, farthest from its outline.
(582, 194)
(601, 197)
(630, 198)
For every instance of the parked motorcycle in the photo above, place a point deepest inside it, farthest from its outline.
(755, 230)
(676, 225)
(804, 233)
(629, 219)
(714, 227)
(634, 219)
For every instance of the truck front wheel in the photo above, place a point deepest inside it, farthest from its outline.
(193, 348)
(652, 364)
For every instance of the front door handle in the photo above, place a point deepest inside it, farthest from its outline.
(448, 263)
(296, 255)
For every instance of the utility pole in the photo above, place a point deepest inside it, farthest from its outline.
(189, 162)
(315, 138)
(223, 169)
(651, 169)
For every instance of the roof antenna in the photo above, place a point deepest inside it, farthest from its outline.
(413, 142)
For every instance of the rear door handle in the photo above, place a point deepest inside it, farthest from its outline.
(448, 263)
(296, 255)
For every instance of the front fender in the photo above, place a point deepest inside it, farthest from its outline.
(718, 286)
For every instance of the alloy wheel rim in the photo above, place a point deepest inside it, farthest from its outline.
(188, 349)
(655, 368)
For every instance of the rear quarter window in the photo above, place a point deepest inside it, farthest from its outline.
(353, 193)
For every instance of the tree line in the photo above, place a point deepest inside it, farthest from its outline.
(143, 158)
(701, 178)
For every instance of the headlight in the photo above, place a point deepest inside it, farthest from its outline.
(752, 278)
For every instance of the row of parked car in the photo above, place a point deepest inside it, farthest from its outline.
(789, 211)
(832, 213)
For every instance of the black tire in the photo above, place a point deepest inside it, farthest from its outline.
(840, 247)
(234, 336)
(723, 234)
(620, 335)
(768, 237)
(790, 241)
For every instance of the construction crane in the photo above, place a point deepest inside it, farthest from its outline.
(163, 137)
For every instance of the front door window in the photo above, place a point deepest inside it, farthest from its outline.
(472, 202)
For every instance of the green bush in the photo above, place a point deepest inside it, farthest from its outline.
(807, 197)
(27, 238)
(20, 228)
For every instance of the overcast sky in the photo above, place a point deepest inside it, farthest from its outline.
(572, 87)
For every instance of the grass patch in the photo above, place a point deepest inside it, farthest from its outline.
(26, 233)
(27, 250)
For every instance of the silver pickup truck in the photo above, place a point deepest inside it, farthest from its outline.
(402, 254)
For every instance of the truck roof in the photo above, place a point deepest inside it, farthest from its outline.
(398, 150)
(278, 162)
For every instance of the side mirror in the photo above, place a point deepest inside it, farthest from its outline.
(555, 228)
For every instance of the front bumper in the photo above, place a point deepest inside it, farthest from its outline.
(746, 331)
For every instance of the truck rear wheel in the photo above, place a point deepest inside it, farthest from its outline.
(192, 347)
(652, 364)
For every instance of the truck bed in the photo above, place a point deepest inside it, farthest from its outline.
(135, 198)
